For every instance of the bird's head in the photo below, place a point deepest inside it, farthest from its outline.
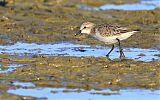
(85, 28)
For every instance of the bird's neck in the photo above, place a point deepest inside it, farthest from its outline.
(92, 31)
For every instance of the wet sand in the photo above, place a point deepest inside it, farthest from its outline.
(54, 22)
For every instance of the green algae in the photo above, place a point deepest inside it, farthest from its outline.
(87, 72)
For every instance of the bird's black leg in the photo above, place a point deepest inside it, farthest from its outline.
(120, 49)
(110, 51)
(3, 3)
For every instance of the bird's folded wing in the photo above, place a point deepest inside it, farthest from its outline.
(110, 30)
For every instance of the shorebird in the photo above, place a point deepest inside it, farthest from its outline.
(109, 34)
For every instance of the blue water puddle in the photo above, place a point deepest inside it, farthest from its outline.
(24, 84)
(142, 5)
(69, 49)
(9, 67)
(48, 93)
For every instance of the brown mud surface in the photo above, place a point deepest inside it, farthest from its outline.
(48, 21)
(85, 72)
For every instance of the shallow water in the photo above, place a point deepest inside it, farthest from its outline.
(70, 49)
(80, 94)
(142, 5)
(24, 84)
(9, 68)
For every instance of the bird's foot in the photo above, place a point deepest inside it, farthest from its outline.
(122, 56)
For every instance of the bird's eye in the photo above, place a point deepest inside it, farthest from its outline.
(84, 27)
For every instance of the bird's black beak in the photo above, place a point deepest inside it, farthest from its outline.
(79, 32)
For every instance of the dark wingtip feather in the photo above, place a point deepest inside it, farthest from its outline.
(137, 30)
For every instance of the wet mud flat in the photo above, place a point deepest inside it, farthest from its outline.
(25, 70)
(72, 70)
(84, 73)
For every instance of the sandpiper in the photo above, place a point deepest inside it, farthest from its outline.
(109, 34)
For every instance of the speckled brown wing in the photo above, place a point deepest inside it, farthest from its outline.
(106, 30)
